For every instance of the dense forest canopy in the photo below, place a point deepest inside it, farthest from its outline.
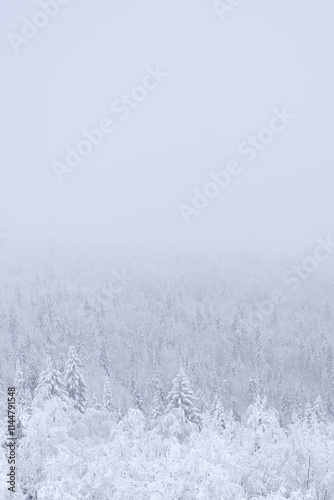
(115, 353)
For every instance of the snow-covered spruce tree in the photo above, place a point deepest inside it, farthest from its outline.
(153, 385)
(24, 398)
(50, 383)
(235, 410)
(308, 414)
(318, 411)
(298, 403)
(285, 404)
(108, 401)
(33, 376)
(253, 390)
(13, 326)
(219, 414)
(74, 382)
(329, 405)
(138, 399)
(182, 396)
(238, 317)
(156, 407)
(103, 357)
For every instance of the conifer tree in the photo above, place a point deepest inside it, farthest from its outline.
(138, 399)
(285, 403)
(154, 394)
(74, 381)
(182, 396)
(156, 407)
(23, 398)
(108, 401)
(219, 413)
(329, 404)
(33, 376)
(235, 411)
(50, 383)
(318, 411)
(253, 390)
(13, 326)
(297, 403)
(103, 358)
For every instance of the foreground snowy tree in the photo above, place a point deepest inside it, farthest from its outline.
(182, 397)
(50, 383)
(74, 381)
(264, 423)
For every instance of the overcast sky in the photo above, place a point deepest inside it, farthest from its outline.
(225, 78)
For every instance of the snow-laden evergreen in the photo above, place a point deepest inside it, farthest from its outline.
(74, 381)
(182, 397)
(51, 383)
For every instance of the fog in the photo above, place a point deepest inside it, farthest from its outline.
(222, 81)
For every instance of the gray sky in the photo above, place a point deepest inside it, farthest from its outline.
(225, 79)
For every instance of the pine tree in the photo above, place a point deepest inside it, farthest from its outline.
(42, 316)
(217, 319)
(318, 411)
(182, 396)
(238, 317)
(307, 358)
(308, 414)
(23, 398)
(273, 319)
(213, 385)
(200, 401)
(329, 404)
(13, 326)
(24, 349)
(235, 412)
(297, 402)
(285, 403)
(259, 355)
(33, 376)
(154, 394)
(197, 324)
(253, 390)
(156, 407)
(50, 383)
(103, 358)
(329, 361)
(119, 413)
(219, 413)
(74, 381)
(237, 346)
(108, 401)
(138, 399)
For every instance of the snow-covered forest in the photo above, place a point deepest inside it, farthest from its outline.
(167, 250)
(138, 377)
